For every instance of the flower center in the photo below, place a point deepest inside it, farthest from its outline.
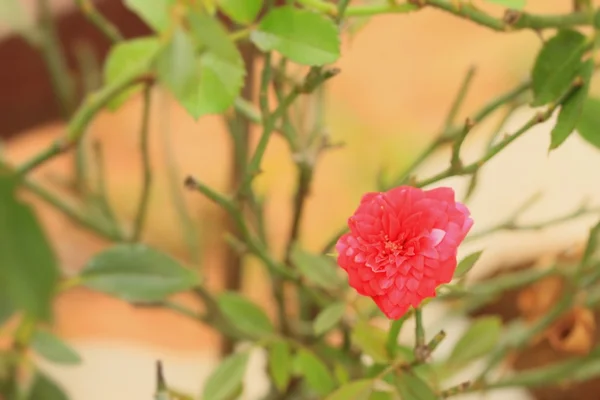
(392, 247)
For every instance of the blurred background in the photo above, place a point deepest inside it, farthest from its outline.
(399, 75)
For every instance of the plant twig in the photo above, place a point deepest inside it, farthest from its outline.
(104, 25)
(142, 208)
(459, 100)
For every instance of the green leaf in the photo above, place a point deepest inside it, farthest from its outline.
(481, 337)
(245, 315)
(572, 108)
(514, 4)
(227, 379)
(280, 364)
(302, 36)
(412, 387)
(556, 66)
(466, 264)
(241, 11)
(156, 13)
(7, 309)
(318, 269)
(44, 388)
(206, 83)
(14, 16)
(355, 390)
(590, 121)
(592, 246)
(329, 317)
(137, 273)
(371, 340)
(125, 58)
(315, 372)
(28, 268)
(383, 396)
(54, 349)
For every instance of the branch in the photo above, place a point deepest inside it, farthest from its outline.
(104, 25)
(82, 118)
(142, 208)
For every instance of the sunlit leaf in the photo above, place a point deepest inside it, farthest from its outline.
(412, 387)
(125, 58)
(156, 13)
(514, 4)
(242, 11)
(45, 388)
(319, 270)
(302, 36)
(466, 264)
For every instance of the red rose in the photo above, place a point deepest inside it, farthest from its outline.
(402, 245)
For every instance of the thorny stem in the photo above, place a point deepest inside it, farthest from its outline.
(101, 197)
(142, 208)
(419, 335)
(459, 100)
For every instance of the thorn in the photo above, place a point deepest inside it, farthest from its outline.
(511, 17)
(190, 182)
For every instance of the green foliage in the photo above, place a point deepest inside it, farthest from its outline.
(53, 349)
(329, 317)
(245, 315)
(28, 272)
(556, 66)
(137, 273)
(44, 388)
(280, 364)
(314, 371)
(514, 4)
(225, 382)
(466, 264)
(126, 58)
(355, 390)
(479, 339)
(371, 340)
(410, 386)
(590, 121)
(157, 16)
(572, 109)
(302, 36)
(241, 11)
(317, 269)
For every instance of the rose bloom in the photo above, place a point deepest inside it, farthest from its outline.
(402, 245)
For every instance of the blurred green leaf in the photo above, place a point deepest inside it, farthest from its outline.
(156, 13)
(280, 364)
(318, 269)
(572, 108)
(54, 349)
(227, 379)
(514, 4)
(592, 246)
(466, 264)
(204, 83)
(383, 396)
(356, 390)
(28, 272)
(244, 314)
(590, 121)
(556, 66)
(340, 373)
(137, 273)
(302, 36)
(479, 339)
(45, 388)
(241, 11)
(371, 340)
(7, 308)
(14, 16)
(125, 58)
(412, 387)
(315, 372)
(329, 317)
